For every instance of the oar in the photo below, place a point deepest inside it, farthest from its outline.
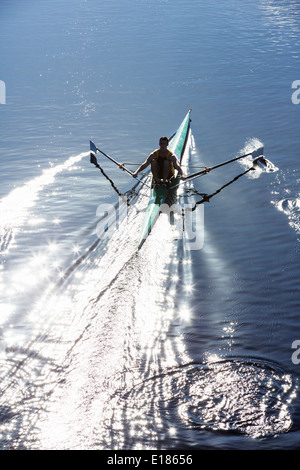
(93, 159)
(255, 153)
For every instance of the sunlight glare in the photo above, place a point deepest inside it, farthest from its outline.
(185, 313)
(75, 249)
(188, 288)
(6, 310)
(52, 247)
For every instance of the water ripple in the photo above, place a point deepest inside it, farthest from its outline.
(238, 396)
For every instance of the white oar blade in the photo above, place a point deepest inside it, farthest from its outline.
(261, 162)
(258, 153)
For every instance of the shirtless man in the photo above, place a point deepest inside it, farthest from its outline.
(163, 163)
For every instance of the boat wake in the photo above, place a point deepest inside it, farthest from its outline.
(15, 207)
(98, 358)
(92, 315)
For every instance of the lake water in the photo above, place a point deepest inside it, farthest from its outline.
(175, 346)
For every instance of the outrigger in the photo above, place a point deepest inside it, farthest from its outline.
(166, 195)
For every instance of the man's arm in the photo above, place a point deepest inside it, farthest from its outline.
(177, 165)
(144, 165)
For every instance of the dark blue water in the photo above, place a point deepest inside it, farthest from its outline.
(177, 346)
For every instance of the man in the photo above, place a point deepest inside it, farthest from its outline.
(163, 163)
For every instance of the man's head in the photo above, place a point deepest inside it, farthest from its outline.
(164, 141)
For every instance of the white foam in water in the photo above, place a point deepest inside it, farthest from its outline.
(15, 206)
(255, 146)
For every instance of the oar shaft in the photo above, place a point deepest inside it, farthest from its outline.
(203, 172)
(232, 160)
(116, 163)
(121, 166)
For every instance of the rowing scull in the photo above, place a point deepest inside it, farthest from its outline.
(159, 195)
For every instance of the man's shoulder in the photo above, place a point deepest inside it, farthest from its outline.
(154, 153)
(171, 154)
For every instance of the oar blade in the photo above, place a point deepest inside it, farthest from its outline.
(93, 147)
(258, 153)
(263, 164)
(260, 161)
(93, 151)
